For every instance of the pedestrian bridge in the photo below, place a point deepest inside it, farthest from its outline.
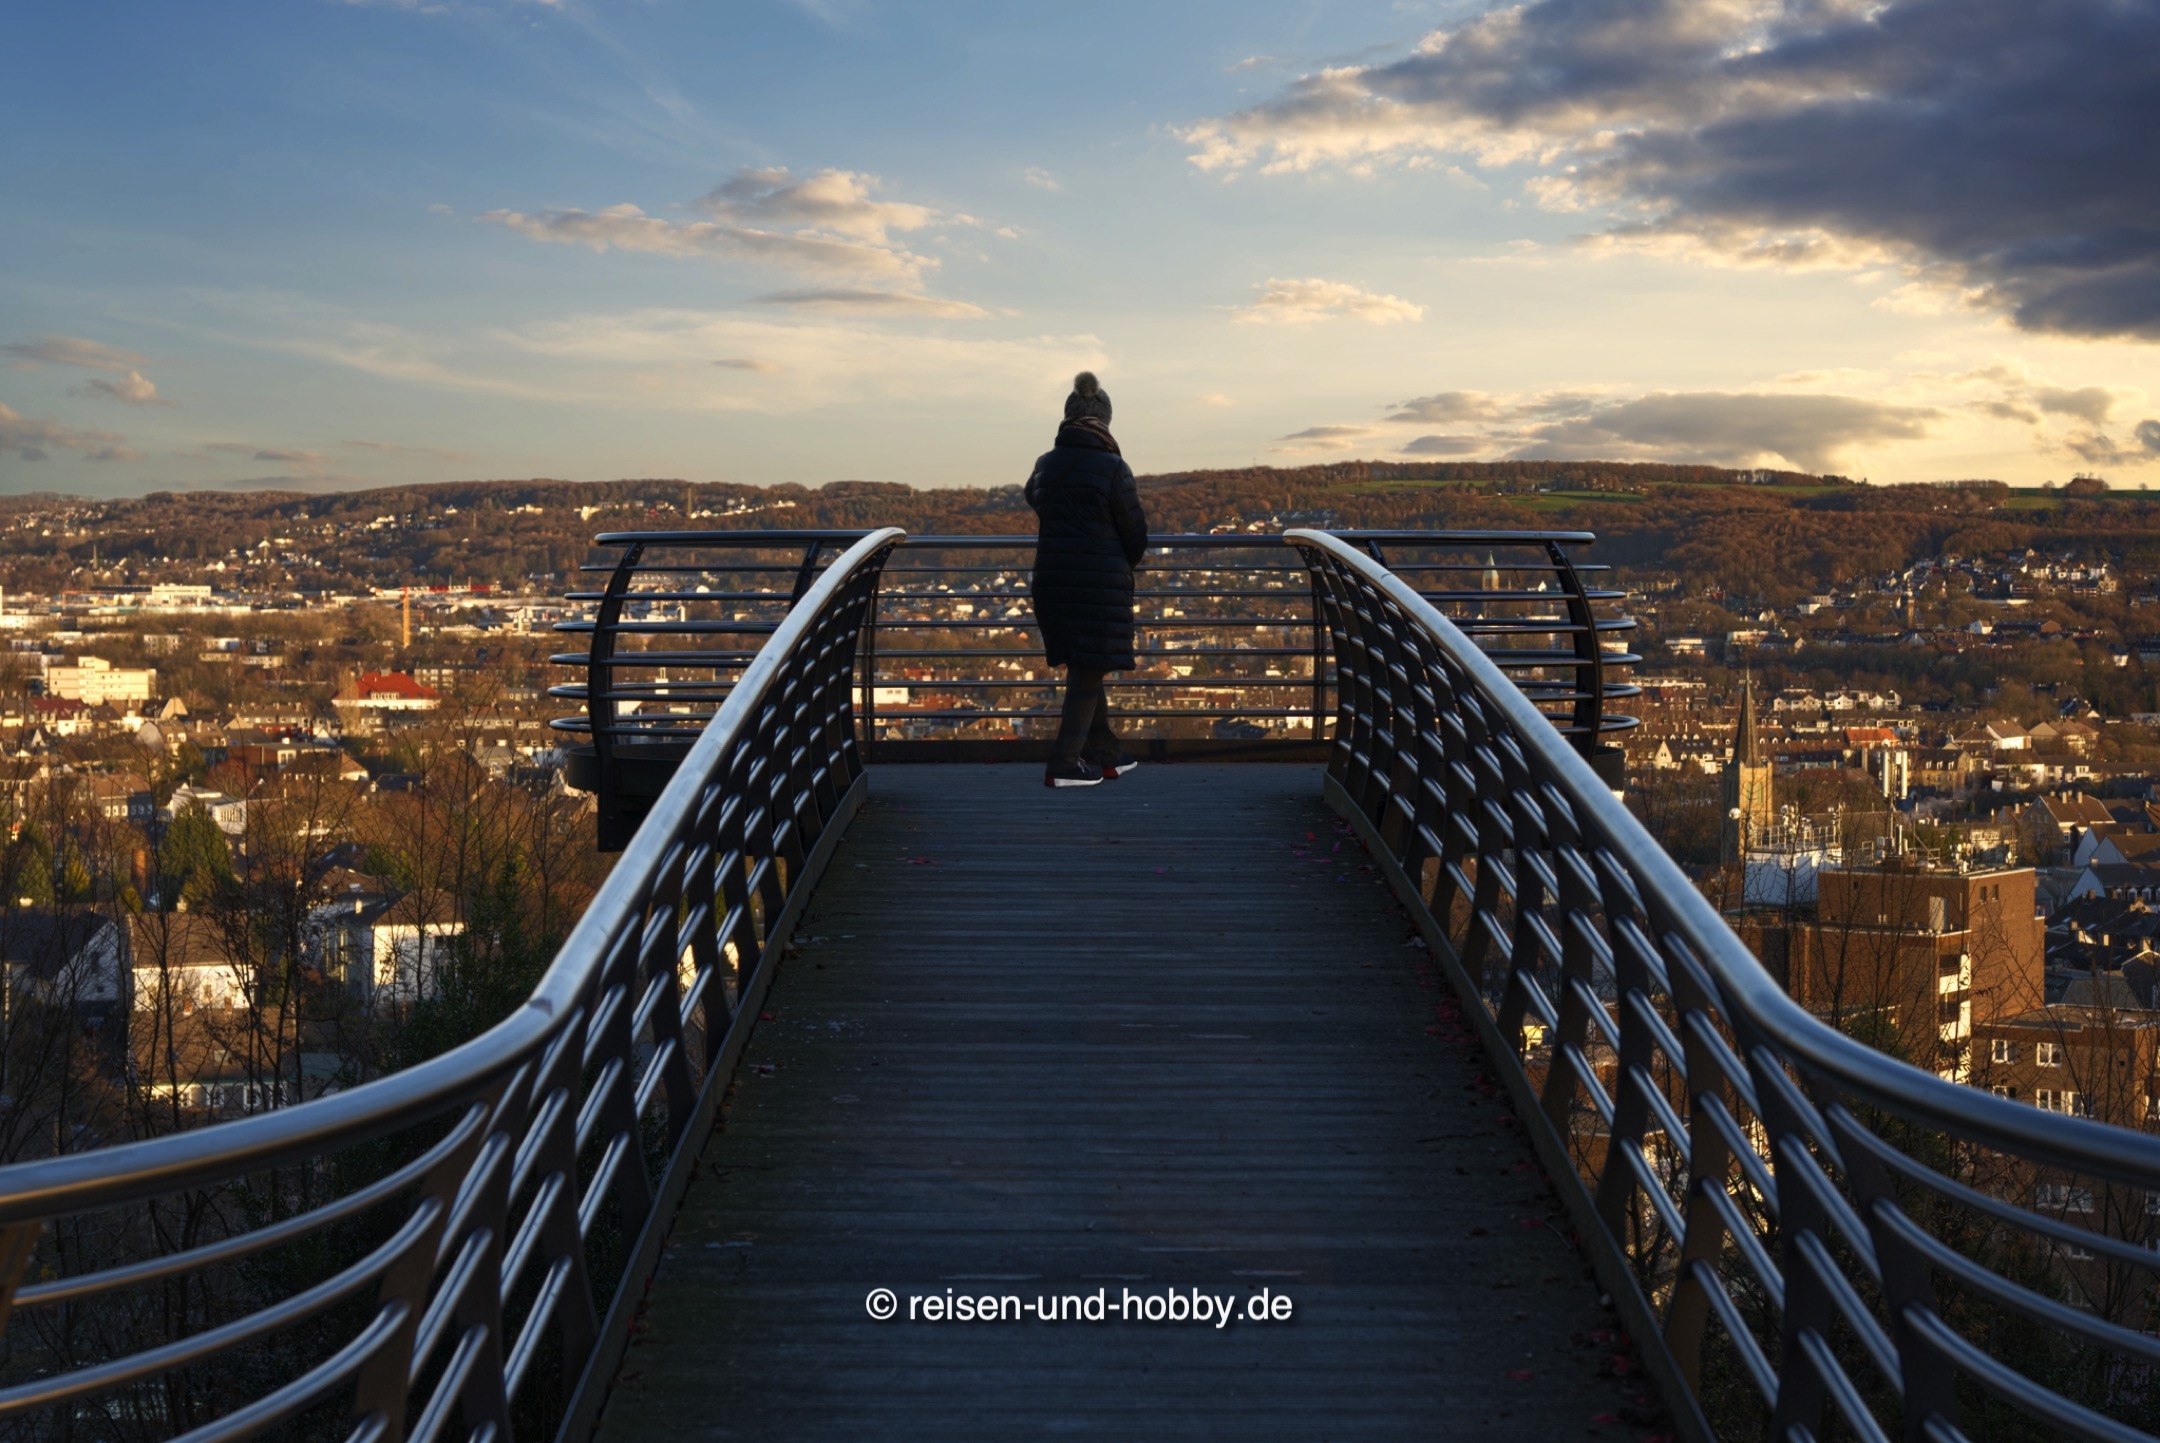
(1372, 1017)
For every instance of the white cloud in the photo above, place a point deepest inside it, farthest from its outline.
(133, 389)
(626, 227)
(73, 351)
(1447, 407)
(1217, 399)
(1041, 179)
(834, 202)
(1804, 430)
(1301, 302)
(1325, 438)
(29, 439)
(2067, 421)
(830, 223)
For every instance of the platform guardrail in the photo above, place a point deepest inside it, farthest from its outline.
(1810, 1238)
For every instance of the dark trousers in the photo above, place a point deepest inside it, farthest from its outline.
(1085, 723)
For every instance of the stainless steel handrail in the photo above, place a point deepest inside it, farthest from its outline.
(1232, 659)
(545, 1156)
(1753, 1184)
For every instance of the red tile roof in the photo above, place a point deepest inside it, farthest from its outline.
(391, 683)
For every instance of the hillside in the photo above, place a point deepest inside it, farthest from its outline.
(1777, 535)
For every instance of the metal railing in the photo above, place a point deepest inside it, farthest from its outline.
(1790, 1222)
(1809, 1238)
(507, 1198)
(1232, 654)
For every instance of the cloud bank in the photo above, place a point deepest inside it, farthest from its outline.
(33, 440)
(73, 351)
(1302, 302)
(133, 389)
(830, 225)
(1803, 431)
(1999, 149)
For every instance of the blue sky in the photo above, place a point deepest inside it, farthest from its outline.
(323, 244)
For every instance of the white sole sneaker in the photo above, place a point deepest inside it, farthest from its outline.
(1090, 775)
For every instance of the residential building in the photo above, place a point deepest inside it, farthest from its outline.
(181, 965)
(93, 680)
(63, 957)
(1912, 956)
(383, 947)
(385, 691)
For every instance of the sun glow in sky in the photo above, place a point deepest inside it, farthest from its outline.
(320, 244)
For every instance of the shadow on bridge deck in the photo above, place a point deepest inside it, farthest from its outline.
(1047, 1043)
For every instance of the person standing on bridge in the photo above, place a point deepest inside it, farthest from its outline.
(1091, 535)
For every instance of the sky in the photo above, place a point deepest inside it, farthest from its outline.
(328, 245)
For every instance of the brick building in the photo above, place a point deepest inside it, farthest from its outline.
(1914, 958)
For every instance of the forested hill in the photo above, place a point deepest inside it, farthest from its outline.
(1777, 534)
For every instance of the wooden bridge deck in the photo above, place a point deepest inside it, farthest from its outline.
(1157, 1035)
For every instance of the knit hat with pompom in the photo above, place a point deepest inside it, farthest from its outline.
(1088, 398)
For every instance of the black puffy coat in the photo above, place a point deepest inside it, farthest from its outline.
(1092, 534)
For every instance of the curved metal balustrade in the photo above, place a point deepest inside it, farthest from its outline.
(1797, 1228)
(1233, 661)
(1810, 1238)
(444, 1252)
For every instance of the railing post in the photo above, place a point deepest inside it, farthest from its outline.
(1319, 657)
(867, 666)
(383, 1388)
(807, 572)
(1610, 763)
(600, 700)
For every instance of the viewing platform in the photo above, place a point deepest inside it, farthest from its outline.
(1372, 1001)
(1173, 1033)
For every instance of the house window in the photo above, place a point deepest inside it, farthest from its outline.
(2044, 1099)
(2002, 1049)
(2077, 1104)
(2061, 1197)
(2048, 1054)
(2001, 1091)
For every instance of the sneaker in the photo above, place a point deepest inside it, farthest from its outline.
(1117, 766)
(1073, 774)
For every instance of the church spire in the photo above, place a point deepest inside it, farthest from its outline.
(1747, 741)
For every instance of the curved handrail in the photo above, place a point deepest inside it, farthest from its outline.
(1883, 1080)
(1232, 661)
(1533, 883)
(557, 1098)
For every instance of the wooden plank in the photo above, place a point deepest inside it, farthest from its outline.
(1168, 1033)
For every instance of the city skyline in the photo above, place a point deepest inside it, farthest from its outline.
(337, 245)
